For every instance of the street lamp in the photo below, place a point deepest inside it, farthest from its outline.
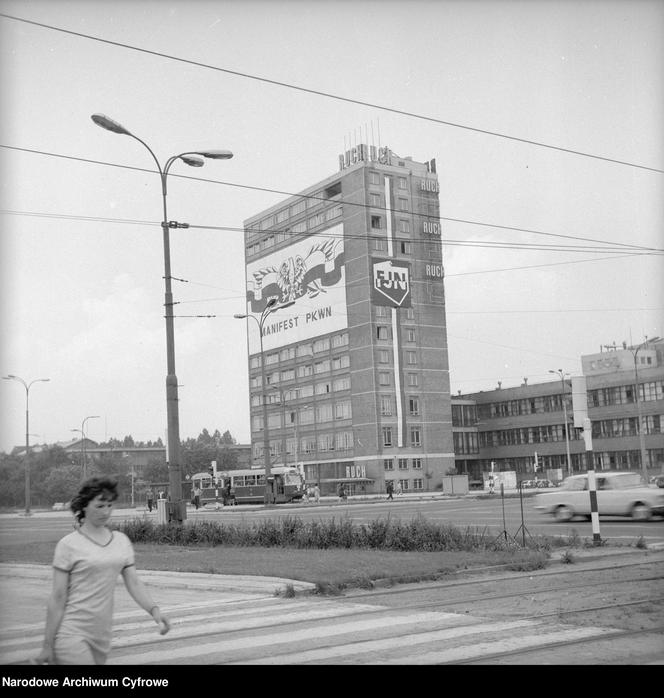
(27, 432)
(270, 308)
(84, 473)
(172, 417)
(562, 378)
(642, 441)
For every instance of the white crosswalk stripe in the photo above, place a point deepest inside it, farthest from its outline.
(271, 630)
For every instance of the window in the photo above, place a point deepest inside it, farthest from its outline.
(341, 384)
(374, 178)
(383, 356)
(387, 436)
(414, 406)
(411, 357)
(405, 247)
(403, 463)
(324, 413)
(340, 340)
(271, 359)
(413, 380)
(415, 436)
(286, 354)
(417, 484)
(376, 223)
(299, 207)
(326, 442)
(323, 388)
(410, 313)
(383, 378)
(322, 366)
(386, 405)
(321, 344)
(403, 183)
(316, 220)
(374, 199)
(405, 485)
(344, 440)
(378, 244)
(388, 464)
(306, 415)
(305, 370)
(417, 464)
(342, 410)
(288, 375)
(382, 332)
(404, 226)
(339, 362)
(403, 204)
(304, 350)
(410, 334)
(382, 311)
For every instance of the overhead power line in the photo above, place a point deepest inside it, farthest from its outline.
(330, 95)
(491, 244)
(319, 198)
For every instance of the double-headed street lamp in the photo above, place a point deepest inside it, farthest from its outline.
(27, 433)
(84, 473)
(178, 512)
(562, 378)
(270, 308)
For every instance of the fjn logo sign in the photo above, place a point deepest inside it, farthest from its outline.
(391, 284)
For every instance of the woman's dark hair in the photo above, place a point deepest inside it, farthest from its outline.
(91, 488)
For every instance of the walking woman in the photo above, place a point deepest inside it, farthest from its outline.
(86, 565)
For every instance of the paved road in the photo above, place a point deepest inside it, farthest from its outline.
(496, 514)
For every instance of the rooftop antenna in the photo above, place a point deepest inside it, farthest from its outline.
(378, 127)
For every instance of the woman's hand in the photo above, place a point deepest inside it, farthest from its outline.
(46, 656)
(162, 621)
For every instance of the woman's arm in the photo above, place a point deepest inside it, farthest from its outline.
(142, 597)
(55, 610)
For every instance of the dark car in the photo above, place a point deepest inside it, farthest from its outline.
(659, 481)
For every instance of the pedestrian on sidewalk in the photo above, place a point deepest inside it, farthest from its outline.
(390, 489)
(316, 493)
(149, 498)
(86, 565)
(197, 496)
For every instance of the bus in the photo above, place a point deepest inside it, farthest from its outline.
(247, 486)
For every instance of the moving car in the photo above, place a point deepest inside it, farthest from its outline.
(618, 494)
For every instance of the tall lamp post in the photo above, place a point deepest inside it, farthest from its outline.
(642, 437)
(562, 379)
(270, 308)
(27, 432)
(84, 472)
(178, 512)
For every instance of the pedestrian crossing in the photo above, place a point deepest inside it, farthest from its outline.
(307, 630)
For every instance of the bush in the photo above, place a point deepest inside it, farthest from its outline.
(418, 534)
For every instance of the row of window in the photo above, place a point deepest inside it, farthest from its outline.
(525, 435)
(628, 426)
(618, 395)
(302, 350)
(385, 332)
(465, 442)
(387, 401)
(402, 463)
(305, 415)
(416, 484)
(625, 394)
(320, 443)
(464, 415)
(414, 435)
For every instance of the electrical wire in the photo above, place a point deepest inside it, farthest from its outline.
(329, 95)
(304, 196)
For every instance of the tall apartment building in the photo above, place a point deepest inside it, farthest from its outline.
(508, 426)
(357, 368)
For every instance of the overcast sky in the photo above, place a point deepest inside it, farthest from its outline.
(81, 249)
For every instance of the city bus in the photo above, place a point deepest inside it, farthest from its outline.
(247, 486)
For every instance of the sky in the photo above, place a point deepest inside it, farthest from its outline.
(545, 120)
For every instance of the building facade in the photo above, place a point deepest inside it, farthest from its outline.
(516, 427)
(357, 375)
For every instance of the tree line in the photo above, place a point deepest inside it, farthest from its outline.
(55, 474)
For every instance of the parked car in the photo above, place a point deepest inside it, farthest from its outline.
(618, 494)
(60, 506)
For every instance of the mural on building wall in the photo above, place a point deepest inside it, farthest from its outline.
(310, 273)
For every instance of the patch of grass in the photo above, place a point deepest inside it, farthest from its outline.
(641, 543)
